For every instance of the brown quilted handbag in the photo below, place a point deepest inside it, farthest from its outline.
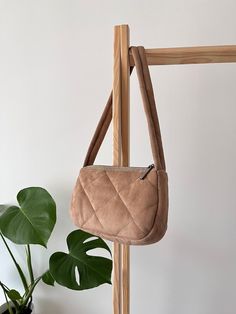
(124, 204)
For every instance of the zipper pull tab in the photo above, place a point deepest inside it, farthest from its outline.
(148, 169)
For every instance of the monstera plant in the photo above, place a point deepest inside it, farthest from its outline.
(31, 223)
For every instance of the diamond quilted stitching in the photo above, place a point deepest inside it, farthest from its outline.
(98, 212)
(92, 208)
(87, 179)
(142, 212)
(125, 205)
(107, 202)
(82, 202)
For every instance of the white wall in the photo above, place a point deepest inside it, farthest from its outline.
(55, 75)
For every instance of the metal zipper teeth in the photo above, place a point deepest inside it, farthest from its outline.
(146, 172)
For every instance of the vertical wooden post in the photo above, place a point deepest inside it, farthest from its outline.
(121, 74)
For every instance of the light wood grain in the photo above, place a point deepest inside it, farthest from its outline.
(117, 301)
(126, 278)
(190, 55)
(121, 70)
(116, 116)
(116, 122)
(125, 154)
(125, 94)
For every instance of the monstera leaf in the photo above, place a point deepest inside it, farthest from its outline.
(3, 208)
(48, 279)
(33, 221)
(78, 270)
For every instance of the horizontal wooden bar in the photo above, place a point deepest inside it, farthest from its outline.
(190, 55)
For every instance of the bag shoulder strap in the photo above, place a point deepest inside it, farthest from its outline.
(149, 104)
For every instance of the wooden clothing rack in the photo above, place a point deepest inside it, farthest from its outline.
(121, 95)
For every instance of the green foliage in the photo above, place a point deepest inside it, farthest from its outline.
(2, 208)
(93, 270)
(13, 295)
(48, 279)
(32, 222)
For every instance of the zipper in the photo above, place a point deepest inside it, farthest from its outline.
(148, 169)
(119, 168)
(144, 170)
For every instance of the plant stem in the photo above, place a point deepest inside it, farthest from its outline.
(7, 302)
(29, 264)
(4, 286)
(5, 290)
(22, 276)
(31, 290)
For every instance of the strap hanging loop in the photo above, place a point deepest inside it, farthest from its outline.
(149, 104)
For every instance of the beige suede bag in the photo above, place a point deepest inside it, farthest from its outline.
(124, 204)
